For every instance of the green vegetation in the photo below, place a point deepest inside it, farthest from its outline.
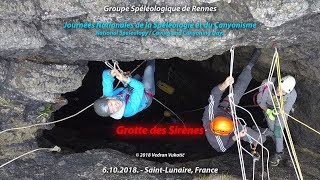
(6, 103)
(46, 112)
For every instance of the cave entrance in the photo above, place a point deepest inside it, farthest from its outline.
(192, 81)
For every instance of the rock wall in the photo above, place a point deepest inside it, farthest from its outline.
(33, 29)
(29, 93)
(40, 60)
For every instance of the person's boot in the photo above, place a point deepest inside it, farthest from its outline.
(254, 57)
(276, 159)
(151, 63)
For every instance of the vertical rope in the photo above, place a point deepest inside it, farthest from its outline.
(285, 121)
(234, 116)
(231, 60)
(273, 63)
(274, 59)
(285, 139)
(260, 142)
(130, 73)
(268, 157)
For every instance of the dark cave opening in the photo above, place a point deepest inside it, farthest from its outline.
(192, 83)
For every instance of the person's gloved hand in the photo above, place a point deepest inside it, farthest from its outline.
(229, 80)
(271, 114)
(243, 132)
(122, 77)
(114, 72)
(223, 86)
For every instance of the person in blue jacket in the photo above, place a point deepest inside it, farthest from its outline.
(128, 101)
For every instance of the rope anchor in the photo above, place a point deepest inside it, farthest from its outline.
(256, 156)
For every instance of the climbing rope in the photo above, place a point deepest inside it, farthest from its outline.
(47, 123)
(275, 55)
(253, 147)
(237, 132)
(114, 66)
(170, 111)
(254, 89)
(254, 154)
(273, 64)
(291, 149)
(237, 129)
(66, 118)
(137, 67)
(286, 142)
(252, 106)
(234, 116)
(285, 121)
(192, 110)
(255, 158)
(268, 157)
(303, 123)
(117, 67)
(54, 149)
(130, 73)
(275, 60)
(259, 142)
(276, 63)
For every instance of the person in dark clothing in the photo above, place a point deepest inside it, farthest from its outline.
(217, 109)
(264, 100)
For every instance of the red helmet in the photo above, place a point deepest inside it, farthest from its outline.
(221, 126)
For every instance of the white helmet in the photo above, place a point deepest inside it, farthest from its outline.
(288, 83)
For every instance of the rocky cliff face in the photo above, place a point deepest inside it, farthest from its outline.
(30, 92)
(34, 29)
(40, 59)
